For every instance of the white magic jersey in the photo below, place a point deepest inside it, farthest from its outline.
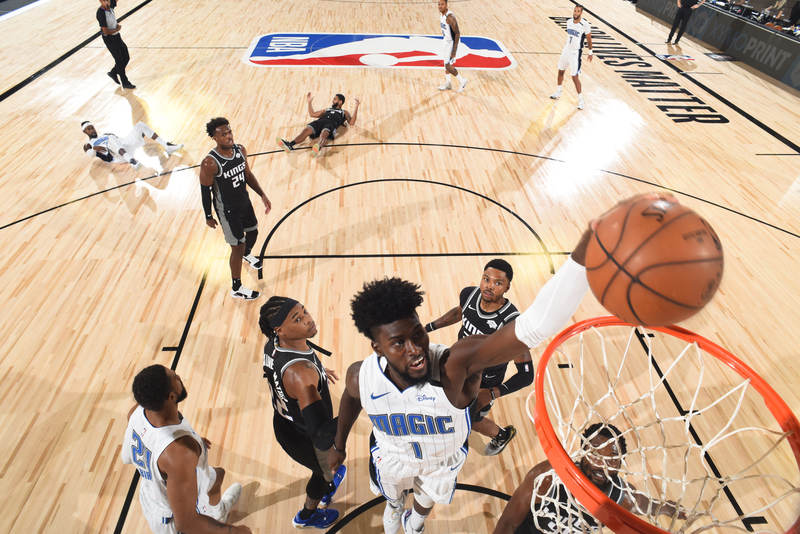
(111, 143)
(418, 425)
(447, 31)
(142, 447)
(576, 35)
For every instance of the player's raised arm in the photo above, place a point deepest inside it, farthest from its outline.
(351, 119)
(179, 463)
(551, 310)
(349, 408)
(315, 114)
(520, 504)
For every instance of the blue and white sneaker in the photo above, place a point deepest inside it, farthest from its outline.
(319, 519)
(338, 476)
(407, 528)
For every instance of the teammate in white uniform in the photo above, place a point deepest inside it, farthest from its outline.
(578, 31)
(112, 148)
(551, 509)
(450, 35)
(179, 491)
(417, 395)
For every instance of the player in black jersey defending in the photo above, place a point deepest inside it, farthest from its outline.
(483, 310)
(554, 508)
(324, 128)
(303, 422)
(225, 173)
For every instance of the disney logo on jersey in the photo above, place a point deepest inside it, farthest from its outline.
(423, 398)
(373, 50)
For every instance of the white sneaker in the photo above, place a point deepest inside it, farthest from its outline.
(391, 518)
(580, 103)
(228, 501)
(406, 527)
(172, 147)
(253, 261)
(244, 293)
(462, 86)
(556, 95)
(445, 87)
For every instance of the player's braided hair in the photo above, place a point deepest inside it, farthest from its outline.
(384, 301)
(268, 311)
(609, 431)
(215, 123)
(151, 387)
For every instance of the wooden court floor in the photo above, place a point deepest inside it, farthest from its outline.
(106, 270)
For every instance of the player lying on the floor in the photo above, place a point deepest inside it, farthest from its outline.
(324, 128)
(543, 505)
(112, 148)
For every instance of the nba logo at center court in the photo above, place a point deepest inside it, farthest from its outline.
(373, 50)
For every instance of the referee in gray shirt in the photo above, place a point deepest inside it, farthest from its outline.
(111, 37)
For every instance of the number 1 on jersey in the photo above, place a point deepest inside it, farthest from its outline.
(417, 449)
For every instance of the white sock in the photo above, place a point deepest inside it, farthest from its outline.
(160, 141)
(460, 78)
(558, 89)
(446, 79)
(126, 156)
(416, 521)
(580, 96)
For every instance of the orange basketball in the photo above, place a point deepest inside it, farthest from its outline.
(652, 261)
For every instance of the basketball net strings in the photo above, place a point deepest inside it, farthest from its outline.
(701, 495)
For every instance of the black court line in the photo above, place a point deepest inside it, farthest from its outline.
(696, 73)
(707, 89)
(126, 506)
(413, 180)
(179, 47)
(747, 521)
(410, 255)
(441, 145)
(66, 55)
(777, 154)
(351, 515)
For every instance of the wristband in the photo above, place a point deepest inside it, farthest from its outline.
(337, 449)
(430, 327)
(590, 52)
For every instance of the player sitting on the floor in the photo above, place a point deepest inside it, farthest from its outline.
(114, 149)
(324, 128)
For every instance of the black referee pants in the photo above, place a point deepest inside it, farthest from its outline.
(682, 18)
(119, 51)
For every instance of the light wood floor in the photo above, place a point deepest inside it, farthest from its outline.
(93, 290)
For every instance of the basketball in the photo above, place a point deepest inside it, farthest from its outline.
(652, 261)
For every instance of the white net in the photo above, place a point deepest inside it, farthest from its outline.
(703, 452)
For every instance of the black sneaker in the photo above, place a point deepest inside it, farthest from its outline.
(128, 85)
(500, 441)
(285, 145)
(113, 76)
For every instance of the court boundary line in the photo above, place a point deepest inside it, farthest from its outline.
(688, 76)
(418, 144)
(413, 180)
(66, 55)
(360, 509)
(126, 505)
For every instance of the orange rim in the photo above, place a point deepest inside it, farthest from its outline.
(599, 505)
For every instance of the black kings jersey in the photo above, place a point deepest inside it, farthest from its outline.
(558, 513)
(476, 321)
(230, 187)
(276, 360)
(335, 115)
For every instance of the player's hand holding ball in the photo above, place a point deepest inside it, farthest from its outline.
(652, 261)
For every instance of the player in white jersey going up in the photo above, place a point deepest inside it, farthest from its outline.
(578, 31)
(450, 35)
(179, 491)
(418, 394)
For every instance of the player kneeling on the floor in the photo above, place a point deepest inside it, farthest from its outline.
(324, 128)
(303, 421)
(224, 175)
(162, 445)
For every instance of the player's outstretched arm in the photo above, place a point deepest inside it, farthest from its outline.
(351, 119)
(349, 408)
(554, 305)
(452, 316)
(179, 463)
(315, 114)
(520, 504)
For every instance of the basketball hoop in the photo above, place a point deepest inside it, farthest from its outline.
(630, 390)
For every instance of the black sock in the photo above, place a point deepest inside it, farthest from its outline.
(305, 513)
(237, 283)
(250, 241)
